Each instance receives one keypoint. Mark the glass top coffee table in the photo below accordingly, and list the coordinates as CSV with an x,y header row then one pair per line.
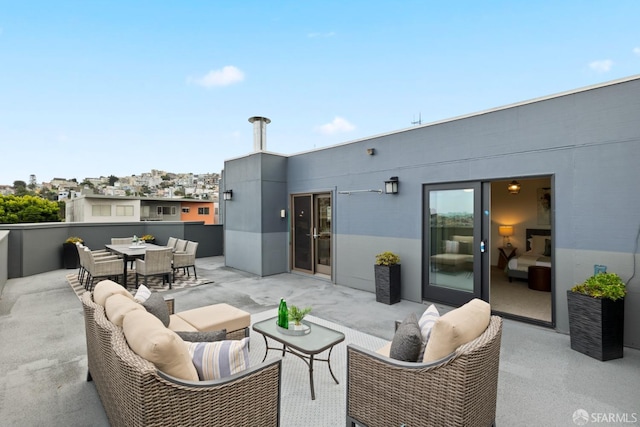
x,y
319,339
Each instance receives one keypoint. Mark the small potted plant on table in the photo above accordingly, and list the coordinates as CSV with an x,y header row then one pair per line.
x,y
596,316
387,278
296,315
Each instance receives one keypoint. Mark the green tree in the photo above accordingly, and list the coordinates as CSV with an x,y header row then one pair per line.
x,y
112,179
23,209
49,194
20,188
87,183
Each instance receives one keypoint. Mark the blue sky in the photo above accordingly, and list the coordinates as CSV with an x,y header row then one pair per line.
x,y
94,88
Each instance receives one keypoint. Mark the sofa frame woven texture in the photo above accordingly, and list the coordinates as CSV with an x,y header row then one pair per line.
x,y
460,390
134,393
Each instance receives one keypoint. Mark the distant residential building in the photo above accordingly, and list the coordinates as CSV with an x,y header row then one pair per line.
x,y
101,208
6,190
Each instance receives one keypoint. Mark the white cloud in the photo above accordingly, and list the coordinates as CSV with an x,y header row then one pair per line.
x,y
636,50
338,125
224,77
322,35
601,66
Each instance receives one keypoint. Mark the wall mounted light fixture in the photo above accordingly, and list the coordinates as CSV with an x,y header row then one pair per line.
x,y
227,195
371,151
391,186
514,187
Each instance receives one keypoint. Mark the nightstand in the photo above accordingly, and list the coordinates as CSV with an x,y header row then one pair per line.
x,y
506,253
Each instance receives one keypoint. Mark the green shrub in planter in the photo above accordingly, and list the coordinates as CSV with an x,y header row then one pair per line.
x,y
387,258
596,316
602,285
387,278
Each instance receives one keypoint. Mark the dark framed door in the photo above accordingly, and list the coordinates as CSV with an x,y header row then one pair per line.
x,y
311,228
454,248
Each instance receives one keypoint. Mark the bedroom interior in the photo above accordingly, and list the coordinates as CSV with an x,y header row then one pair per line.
x,y
521,250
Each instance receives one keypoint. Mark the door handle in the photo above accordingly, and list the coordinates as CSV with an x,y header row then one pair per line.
x,y
315,233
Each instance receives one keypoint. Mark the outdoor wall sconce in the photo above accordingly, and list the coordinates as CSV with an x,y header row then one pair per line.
x,y
391,186
371,151
514,187
227,195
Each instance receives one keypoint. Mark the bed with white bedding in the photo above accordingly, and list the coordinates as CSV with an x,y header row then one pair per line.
x,y
538,253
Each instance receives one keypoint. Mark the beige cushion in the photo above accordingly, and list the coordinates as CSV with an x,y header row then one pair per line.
x,y
149,339
465,239
386,350
177,324
457,327
105,288
117,306
216,317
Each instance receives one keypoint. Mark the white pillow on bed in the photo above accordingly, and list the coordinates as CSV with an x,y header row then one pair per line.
x,y
537,244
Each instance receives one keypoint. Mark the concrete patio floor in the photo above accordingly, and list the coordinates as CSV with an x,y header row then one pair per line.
x,y
43,360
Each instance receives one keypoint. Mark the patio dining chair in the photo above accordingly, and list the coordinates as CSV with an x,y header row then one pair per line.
x,y
100,267
99,254
186,260
121,240
156,262
171,243
181,245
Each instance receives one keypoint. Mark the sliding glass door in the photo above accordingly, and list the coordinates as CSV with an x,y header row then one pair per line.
x,y
453,246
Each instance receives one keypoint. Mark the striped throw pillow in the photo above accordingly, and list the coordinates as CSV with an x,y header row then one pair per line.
x,y
219,359
426,322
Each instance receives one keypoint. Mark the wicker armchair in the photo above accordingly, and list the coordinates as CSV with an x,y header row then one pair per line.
x,y
186,260
459,390
157,262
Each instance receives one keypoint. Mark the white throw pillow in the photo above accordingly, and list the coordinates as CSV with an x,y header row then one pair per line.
x,y
142,294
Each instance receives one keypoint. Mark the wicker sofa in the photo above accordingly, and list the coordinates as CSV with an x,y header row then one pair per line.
x,y
459,389
134,392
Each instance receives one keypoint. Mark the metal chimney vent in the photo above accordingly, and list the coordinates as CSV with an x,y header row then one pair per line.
x,y
259,132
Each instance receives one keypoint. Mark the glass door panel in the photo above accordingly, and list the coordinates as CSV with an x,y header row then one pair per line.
x,y
302,233
322,234
452,243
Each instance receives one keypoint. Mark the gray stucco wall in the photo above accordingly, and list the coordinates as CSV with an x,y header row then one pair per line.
x,y
587,141
255,234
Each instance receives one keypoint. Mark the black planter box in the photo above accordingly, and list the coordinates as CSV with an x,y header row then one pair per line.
x,y
596,326
387,283
70,257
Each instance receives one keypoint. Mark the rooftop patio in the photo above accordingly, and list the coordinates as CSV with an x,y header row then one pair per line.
x,y
43,370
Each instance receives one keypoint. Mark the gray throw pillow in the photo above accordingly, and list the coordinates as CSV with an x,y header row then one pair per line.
x,y
208,336
156,305
407,341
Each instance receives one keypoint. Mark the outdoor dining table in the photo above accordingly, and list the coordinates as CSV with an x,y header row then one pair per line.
x,y
131,252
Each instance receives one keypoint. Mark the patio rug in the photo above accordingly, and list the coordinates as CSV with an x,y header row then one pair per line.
x,y
296,407
153,283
